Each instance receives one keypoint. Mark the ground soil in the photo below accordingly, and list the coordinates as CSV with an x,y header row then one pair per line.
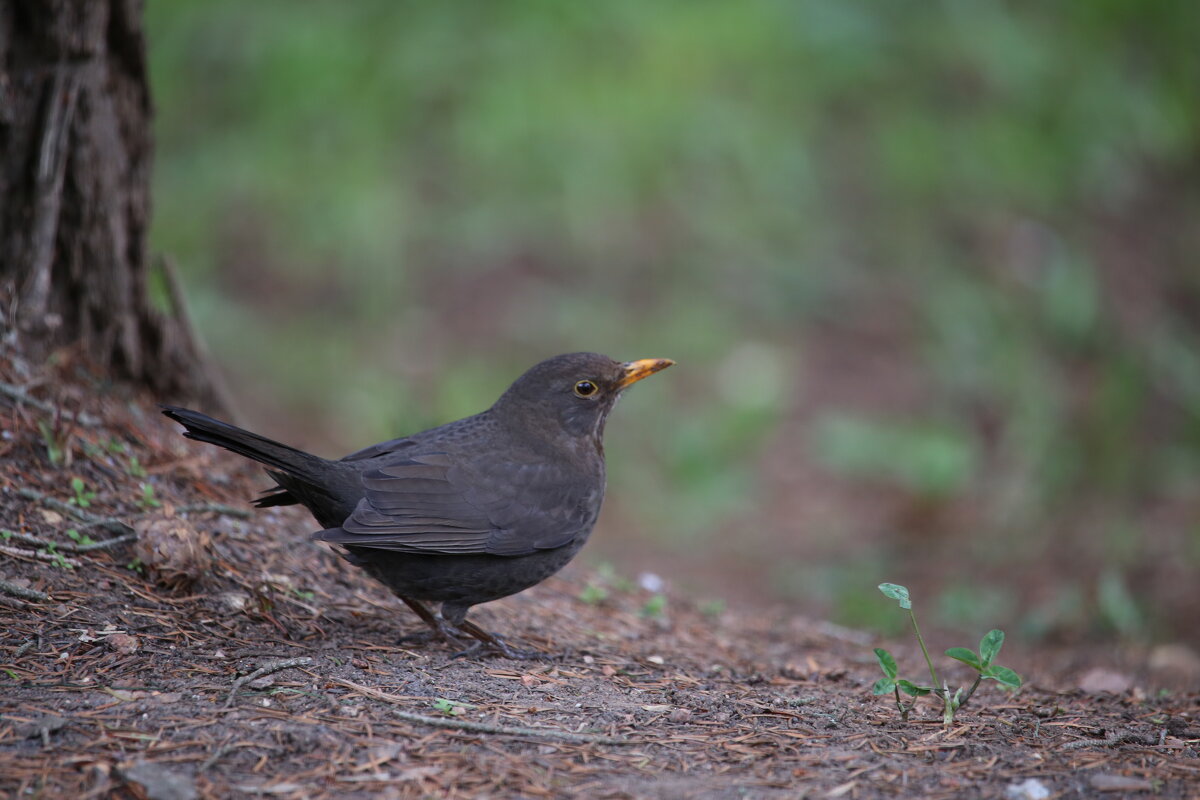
x,y
205,651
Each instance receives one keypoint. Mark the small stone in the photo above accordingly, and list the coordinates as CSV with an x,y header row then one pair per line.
x,y
1104,782
235,601
1100,680
40,727
1028,789
158,782
680,715
123,643
1175,664
651,582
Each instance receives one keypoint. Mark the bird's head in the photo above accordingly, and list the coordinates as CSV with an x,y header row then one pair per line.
x,y
573,392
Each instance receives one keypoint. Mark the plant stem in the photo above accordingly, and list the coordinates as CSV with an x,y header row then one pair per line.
x,y
903,709
962,701
924,650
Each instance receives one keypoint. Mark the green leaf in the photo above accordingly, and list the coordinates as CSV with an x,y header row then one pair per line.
x,y
884,686
450,707
886,662
966,656
910,688
655,606
1004,676
897,593
593,594
989,646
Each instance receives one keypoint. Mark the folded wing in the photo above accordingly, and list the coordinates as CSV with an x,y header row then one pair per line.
x,y
432,505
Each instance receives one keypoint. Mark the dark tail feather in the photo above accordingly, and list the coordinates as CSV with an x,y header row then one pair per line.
x,y
277,496
287,460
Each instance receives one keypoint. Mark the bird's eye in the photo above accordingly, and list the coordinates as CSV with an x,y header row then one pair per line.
x,y
585,388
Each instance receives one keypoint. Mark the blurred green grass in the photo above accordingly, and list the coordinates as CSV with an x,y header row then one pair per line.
x,y
934,263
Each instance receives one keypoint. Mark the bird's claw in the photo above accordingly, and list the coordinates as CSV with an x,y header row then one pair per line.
x,y
497,647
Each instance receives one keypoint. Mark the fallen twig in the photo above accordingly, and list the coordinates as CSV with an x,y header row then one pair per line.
x,y
265,669
216,756
39,555
111,523
107,543
480,727
215,508
22,591
1112,740
21,396
72,547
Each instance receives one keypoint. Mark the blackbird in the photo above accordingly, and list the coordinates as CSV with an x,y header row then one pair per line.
x,y
467,512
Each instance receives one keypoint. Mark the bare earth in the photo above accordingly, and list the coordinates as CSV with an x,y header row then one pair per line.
x,y
279,671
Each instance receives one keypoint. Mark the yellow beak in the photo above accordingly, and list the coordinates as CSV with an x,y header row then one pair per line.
x,y
642,368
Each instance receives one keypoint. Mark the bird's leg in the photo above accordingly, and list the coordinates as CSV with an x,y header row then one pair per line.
x,y
493,643
453,622
456,615
438,626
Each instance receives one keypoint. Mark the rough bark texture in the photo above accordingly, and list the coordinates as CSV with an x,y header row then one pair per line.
x,y
75,159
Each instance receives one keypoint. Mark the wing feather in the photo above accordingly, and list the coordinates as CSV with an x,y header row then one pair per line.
x,y
431,504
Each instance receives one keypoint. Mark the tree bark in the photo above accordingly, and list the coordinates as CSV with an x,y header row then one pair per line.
x,y
75,159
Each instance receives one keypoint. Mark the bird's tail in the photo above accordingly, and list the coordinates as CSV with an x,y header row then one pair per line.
x,y
279,457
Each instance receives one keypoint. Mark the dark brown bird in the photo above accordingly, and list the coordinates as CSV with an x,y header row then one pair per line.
x,y
467,512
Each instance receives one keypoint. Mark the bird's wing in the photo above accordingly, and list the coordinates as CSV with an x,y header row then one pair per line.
x,y
383,448
430,504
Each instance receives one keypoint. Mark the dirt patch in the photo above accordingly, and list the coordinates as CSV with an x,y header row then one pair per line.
x,y
279,670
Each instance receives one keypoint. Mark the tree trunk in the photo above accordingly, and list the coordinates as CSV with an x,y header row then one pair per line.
x,y
75,158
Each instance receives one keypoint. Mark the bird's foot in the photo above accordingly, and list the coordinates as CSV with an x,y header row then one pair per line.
x,y
452,632
491,644
498,647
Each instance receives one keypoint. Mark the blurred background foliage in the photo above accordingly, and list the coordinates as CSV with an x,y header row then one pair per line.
x,y
929,271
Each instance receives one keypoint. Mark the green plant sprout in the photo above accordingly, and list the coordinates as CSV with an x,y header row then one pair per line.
x,y
712,608
135,468
451,708
656,606
56,558
593,594
981,662
81,539
148,500
83,496
53,441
